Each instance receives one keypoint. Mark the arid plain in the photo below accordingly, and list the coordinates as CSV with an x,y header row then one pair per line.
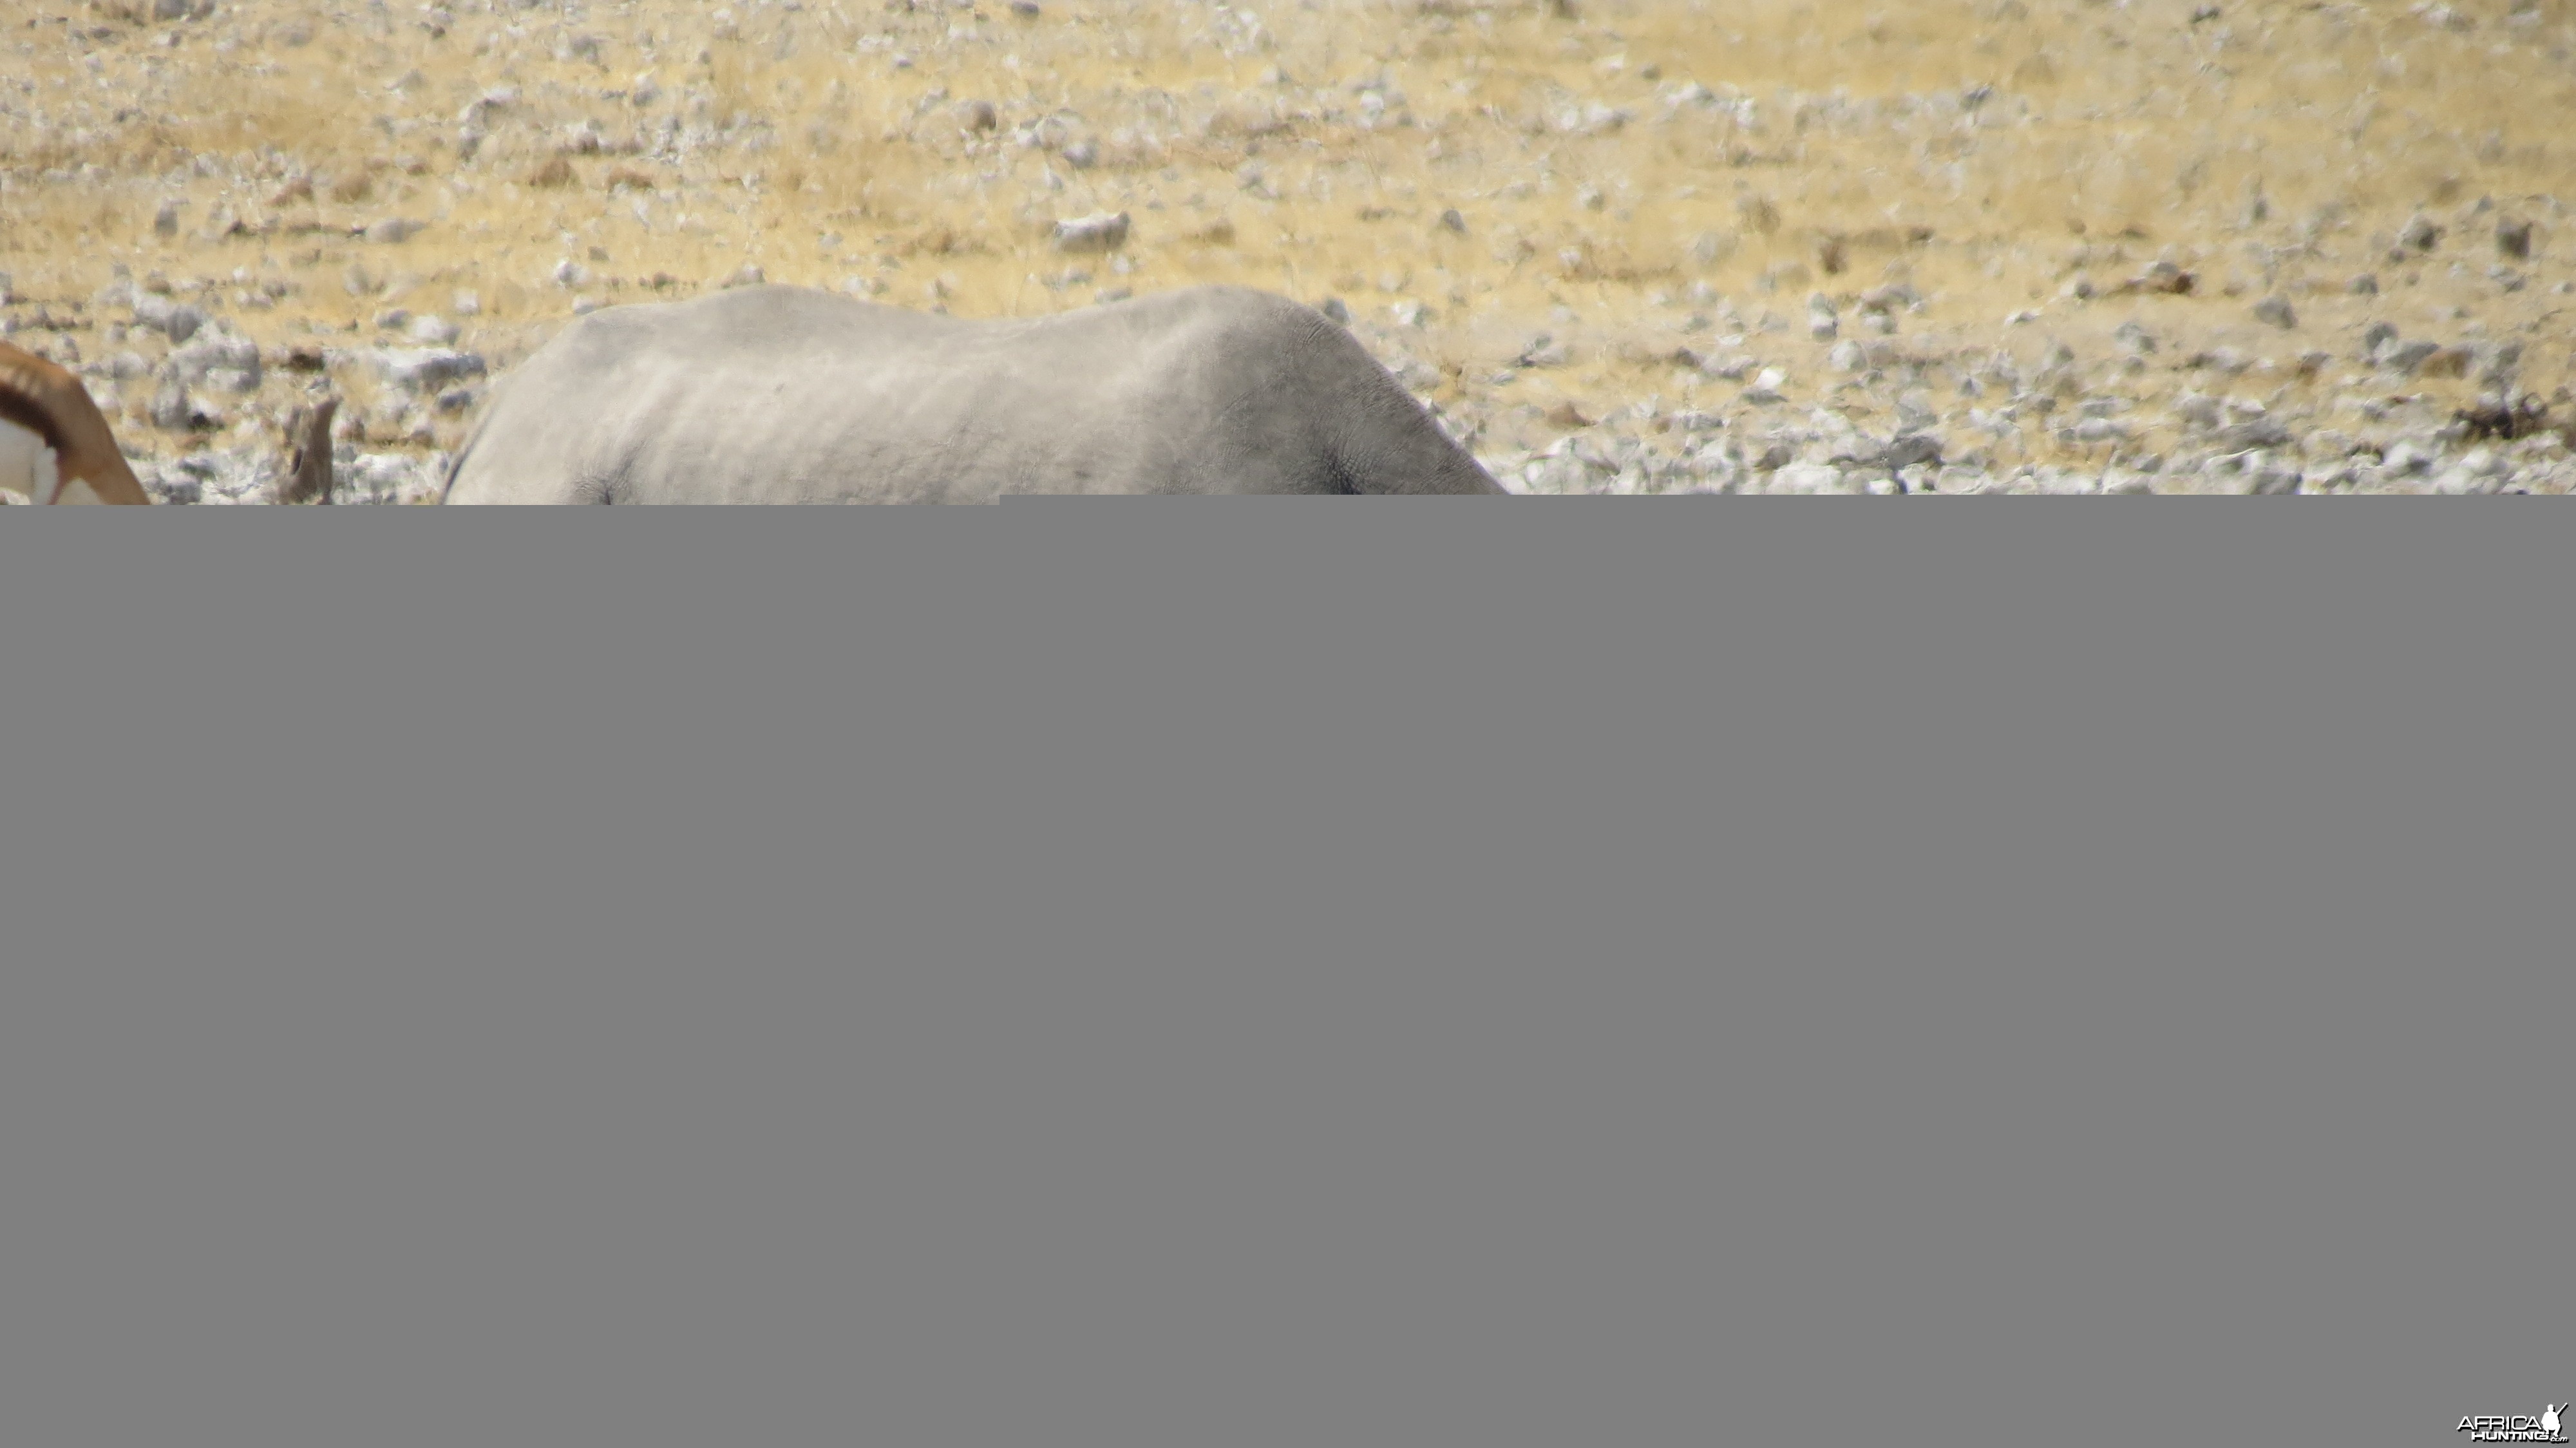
x,y
1627,246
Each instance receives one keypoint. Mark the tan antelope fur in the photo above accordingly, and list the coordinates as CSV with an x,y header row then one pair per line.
x,y
55,447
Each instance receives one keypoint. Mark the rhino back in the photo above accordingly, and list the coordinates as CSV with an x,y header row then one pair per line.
x,y
778,394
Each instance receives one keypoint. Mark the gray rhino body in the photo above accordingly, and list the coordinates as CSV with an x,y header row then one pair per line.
x,y
787,395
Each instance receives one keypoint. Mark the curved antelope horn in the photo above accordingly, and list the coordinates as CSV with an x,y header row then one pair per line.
x,y
50,402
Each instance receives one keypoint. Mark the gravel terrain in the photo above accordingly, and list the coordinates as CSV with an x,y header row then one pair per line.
x,y
2105,246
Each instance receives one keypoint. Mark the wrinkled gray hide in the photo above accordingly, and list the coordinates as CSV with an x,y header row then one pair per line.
x,y
786,395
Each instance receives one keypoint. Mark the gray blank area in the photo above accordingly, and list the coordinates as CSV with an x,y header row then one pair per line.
x,y
1284,973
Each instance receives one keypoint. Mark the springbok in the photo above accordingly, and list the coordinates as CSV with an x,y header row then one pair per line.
x,y
776,394
55,447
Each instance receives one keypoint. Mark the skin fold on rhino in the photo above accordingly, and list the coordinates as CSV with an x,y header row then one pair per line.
x,y
778,394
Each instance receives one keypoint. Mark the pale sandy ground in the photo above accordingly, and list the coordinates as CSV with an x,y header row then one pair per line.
x,y
1619,245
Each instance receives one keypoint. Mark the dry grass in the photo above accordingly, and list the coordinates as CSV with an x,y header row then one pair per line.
x,y
2271,148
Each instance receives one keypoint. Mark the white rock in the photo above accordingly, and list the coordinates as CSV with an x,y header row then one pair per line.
x,y
1808,478
2498,362
222,360
1894,296
2255,432
174,320
2484,463
2270,479
393,478
170,409
1101,231
2408,457
2405,357
1912,450
419,370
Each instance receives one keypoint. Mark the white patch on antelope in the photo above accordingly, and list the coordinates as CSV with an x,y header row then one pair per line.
x,y
29,468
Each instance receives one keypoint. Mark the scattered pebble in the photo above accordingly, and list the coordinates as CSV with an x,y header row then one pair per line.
x,y
174,320
1100,232
417,370
1822,322
223,361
